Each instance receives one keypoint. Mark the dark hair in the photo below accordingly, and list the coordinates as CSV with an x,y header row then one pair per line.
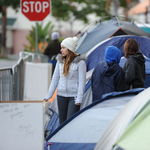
x,y
131,47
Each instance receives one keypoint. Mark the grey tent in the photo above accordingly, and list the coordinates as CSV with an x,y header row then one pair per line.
x,y
123,120
84,129
106,29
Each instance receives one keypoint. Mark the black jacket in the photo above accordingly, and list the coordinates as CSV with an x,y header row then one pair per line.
x,y
53,48
134,69
106,78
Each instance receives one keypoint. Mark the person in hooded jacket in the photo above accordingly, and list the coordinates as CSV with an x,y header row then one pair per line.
x,y
53,49
134,66
69,78
108,76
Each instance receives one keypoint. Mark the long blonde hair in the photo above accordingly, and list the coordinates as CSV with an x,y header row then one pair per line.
x,y
68,59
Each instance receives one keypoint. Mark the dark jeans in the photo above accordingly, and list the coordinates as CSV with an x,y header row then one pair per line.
x,y
66,107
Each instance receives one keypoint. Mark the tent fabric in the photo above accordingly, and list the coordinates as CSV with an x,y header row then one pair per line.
x,y
87,96
114,94
146,29
98,54
86,127
147,81
51,124
135,136
103,30
71,146
122,121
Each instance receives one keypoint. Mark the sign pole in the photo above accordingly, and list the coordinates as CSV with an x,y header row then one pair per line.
x,y
36,42
36,10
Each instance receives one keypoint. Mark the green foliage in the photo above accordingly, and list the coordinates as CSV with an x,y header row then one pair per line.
x,y
79,9
42,34
60,10
123,3
13,3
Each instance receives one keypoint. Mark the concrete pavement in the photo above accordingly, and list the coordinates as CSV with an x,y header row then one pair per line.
x,y
9,62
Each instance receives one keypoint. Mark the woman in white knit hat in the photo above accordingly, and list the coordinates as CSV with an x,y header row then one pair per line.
x,y
69,78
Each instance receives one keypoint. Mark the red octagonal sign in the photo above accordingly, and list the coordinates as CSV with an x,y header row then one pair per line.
x,y
35,10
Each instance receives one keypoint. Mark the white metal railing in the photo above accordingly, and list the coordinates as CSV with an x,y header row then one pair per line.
x,y
12,79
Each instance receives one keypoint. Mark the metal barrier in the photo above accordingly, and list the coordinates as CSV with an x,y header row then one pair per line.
x,y
6,84
12,79
35,57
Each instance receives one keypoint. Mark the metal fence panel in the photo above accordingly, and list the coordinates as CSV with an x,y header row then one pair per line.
x,y
6,84
12,79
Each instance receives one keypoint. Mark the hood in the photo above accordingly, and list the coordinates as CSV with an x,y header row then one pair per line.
x,y
76,59
112,54
108,69
138,58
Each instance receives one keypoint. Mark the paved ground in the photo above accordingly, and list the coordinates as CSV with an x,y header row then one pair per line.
x,y
9,62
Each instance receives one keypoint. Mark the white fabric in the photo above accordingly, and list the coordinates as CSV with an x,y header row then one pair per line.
x,y
70,43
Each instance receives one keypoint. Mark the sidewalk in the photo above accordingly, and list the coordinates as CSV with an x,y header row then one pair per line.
x,y
9,62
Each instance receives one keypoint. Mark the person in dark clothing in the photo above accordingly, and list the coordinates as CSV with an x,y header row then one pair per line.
x,y
134,66
108,76
53,49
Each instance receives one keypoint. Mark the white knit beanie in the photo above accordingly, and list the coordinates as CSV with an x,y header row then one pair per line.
x,y
55,36
70,43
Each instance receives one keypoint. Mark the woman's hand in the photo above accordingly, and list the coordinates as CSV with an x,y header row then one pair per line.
x,y
45,100
78,104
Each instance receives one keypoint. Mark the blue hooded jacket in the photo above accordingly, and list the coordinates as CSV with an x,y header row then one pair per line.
x,y
108,76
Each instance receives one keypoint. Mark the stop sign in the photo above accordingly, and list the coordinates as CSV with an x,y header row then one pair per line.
x,y
35,10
